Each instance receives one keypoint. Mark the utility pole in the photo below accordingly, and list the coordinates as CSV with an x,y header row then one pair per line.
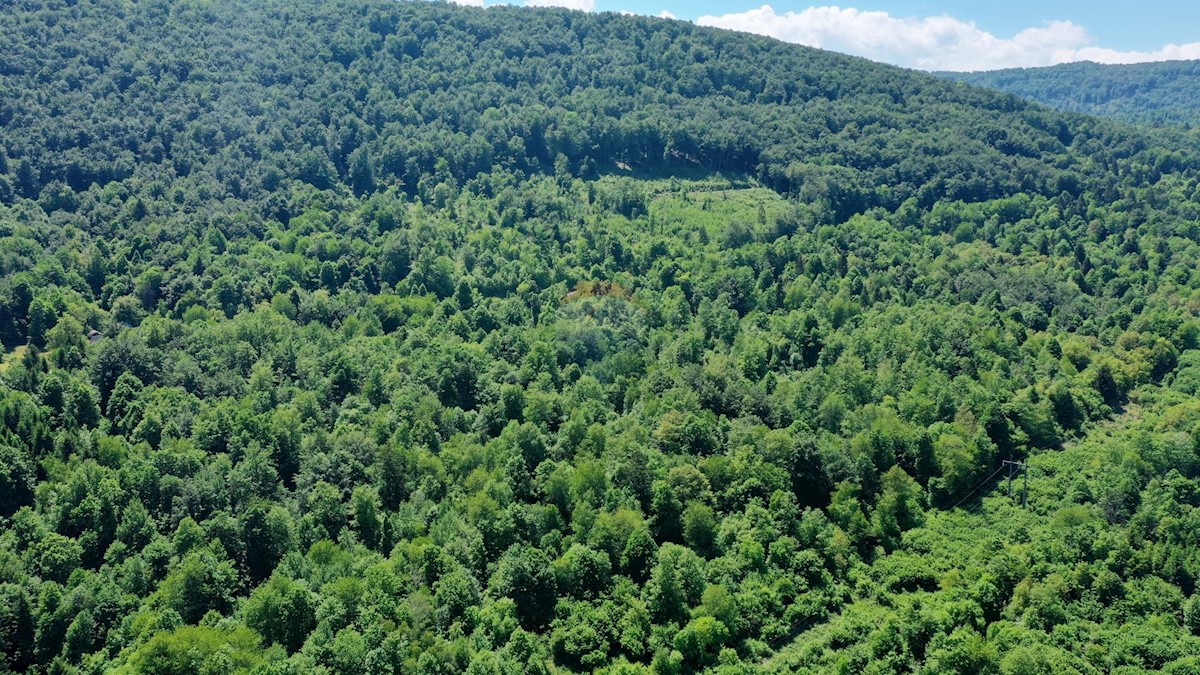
x,y
1010,475
1024,468
1025,492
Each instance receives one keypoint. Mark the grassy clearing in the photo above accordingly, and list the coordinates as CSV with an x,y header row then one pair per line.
x,y
15,356
715,207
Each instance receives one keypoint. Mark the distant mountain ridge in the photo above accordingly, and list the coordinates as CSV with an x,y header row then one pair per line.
x,y
1161,93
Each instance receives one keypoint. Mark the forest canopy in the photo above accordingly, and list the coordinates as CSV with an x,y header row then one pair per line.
x,y
402,337
1161,93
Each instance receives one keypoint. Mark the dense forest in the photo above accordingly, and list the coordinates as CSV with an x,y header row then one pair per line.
x,y
1166,92
400,337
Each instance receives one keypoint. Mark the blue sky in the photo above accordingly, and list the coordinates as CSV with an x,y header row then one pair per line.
x,y
935,35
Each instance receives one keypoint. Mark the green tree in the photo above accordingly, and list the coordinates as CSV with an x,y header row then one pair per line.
x,y
192,649
200,583
267,535
700,641
700,528
17,479
676,584
898,507
582,572
282,611
364,506
67,344
525,575
58,557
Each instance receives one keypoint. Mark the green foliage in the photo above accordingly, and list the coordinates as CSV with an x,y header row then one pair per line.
x,y
898,507
524,575
198,649
282,611
1142,93
701,640
431,339
17,479
201,583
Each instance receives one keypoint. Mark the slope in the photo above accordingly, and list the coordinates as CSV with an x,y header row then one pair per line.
x,y
249,94
1142,93
1071,567
409,338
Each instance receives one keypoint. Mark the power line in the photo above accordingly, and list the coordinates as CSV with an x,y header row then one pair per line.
x,y
977,486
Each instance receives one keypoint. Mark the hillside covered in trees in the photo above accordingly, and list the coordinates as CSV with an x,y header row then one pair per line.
x,y
400,337
1165,92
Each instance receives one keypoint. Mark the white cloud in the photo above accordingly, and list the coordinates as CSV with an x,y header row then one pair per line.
x,y
468,3
1185,52
935,42
666,15
581,5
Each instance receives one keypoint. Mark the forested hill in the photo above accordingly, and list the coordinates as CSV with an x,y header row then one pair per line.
x,y
400,337
1166,92
247,95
